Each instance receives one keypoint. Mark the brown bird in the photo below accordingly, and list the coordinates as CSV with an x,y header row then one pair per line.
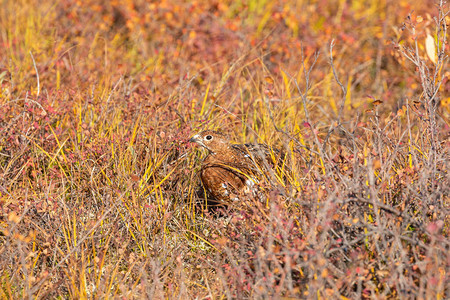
x,y
231,171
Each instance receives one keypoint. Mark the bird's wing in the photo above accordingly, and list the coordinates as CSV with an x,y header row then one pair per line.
x,y
260,155
221,182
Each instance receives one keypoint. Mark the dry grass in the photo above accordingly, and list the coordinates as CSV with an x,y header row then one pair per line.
x,y
98,186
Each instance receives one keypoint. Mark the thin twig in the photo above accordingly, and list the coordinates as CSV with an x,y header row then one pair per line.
x,y
37,75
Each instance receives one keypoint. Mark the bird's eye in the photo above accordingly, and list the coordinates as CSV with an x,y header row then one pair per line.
x,y
208,137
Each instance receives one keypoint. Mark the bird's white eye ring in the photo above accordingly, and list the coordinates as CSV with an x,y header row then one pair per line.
x,y
208,137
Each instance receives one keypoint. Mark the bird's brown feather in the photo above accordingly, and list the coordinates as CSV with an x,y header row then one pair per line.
x,y
232,170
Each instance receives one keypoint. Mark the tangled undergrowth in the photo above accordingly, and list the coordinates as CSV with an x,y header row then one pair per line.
x,y
99,188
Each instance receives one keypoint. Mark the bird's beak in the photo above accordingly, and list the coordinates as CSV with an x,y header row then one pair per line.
x,y
195,139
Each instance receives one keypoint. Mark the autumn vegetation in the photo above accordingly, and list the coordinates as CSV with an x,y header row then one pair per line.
x,y
99,189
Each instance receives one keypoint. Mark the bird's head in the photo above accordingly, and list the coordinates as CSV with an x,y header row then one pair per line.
x,y
212,140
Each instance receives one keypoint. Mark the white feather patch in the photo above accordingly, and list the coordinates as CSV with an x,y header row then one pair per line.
x,y
249,183
225,193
